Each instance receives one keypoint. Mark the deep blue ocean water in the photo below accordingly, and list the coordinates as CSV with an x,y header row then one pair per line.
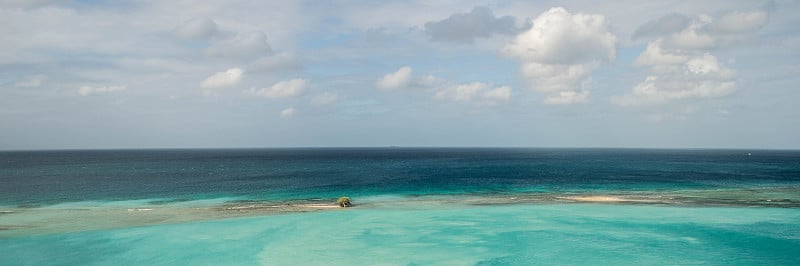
x,y
48,177
414,206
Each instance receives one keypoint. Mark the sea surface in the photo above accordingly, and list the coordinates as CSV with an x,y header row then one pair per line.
x,y
412,206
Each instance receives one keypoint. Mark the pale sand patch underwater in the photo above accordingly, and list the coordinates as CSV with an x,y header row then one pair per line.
x,y
75,217
49,220
605,199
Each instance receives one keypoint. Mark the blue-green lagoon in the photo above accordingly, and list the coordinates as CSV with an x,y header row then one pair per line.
x,y
412,207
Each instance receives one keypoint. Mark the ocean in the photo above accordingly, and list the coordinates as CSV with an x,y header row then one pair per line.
x,y
412,206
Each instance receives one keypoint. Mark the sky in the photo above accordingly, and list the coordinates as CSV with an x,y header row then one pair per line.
x,y
88,74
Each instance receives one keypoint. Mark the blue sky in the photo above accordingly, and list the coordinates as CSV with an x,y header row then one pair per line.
x,y
190,74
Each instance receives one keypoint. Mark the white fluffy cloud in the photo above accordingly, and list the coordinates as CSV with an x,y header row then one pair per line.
x,y
475,93
693,37
556,78
679,57
699,77
502,93
283,89
559,37
223,79
398,79
197,28
655,55
703,32
560,52
88,90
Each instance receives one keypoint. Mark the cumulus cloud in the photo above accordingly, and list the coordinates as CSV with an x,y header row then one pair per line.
x,y
693,37
559,37
466,27
502,93
560,77
560,52
325,98
398,79
197,28
699,77
702,32
680,60
475,93
288,112
252,44
88,90
223,79
655,55
283,89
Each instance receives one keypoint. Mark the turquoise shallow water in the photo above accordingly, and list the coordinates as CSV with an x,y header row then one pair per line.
x,y
526,234
425,206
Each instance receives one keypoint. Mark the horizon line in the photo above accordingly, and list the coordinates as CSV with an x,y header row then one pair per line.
x,y
393,147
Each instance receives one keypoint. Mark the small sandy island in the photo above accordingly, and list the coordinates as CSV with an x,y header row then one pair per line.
x,y
280,207
604,198
319,206
595,198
